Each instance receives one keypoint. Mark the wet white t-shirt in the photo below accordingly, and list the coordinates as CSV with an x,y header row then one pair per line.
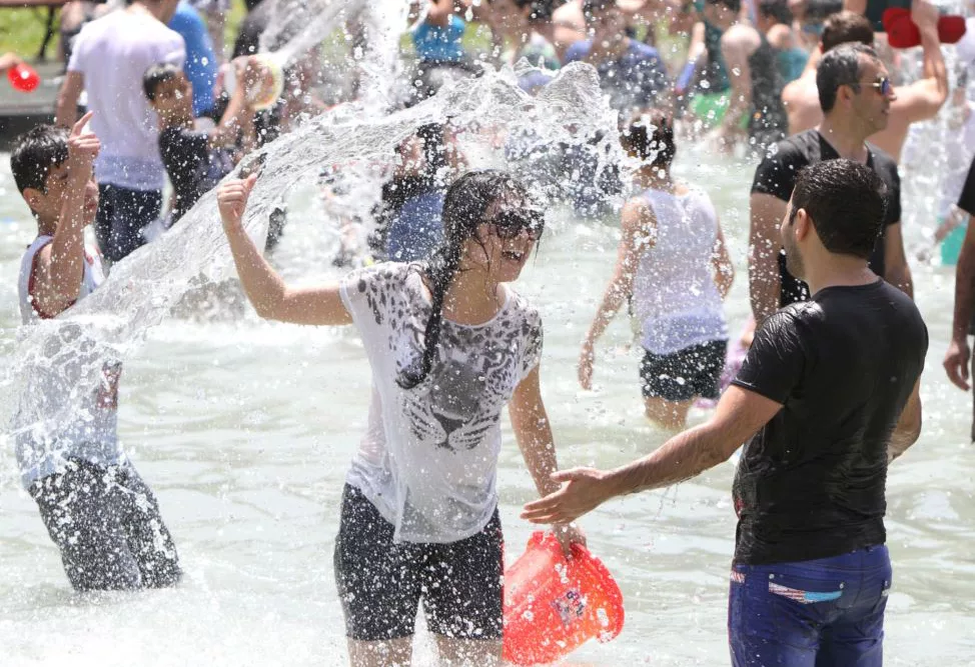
x,y
428,460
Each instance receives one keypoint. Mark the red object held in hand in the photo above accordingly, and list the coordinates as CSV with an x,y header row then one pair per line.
x,y
553,605
902,33
23,77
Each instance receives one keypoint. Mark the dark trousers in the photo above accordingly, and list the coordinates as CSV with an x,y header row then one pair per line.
x,y
122,215
106,522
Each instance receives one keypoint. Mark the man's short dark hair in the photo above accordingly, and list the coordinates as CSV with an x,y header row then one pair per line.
x,y
36,153
650,137
156,76
844,27
840,66
847,202
733,5
777,9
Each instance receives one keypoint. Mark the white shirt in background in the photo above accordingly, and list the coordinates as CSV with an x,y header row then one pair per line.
x,y
113,53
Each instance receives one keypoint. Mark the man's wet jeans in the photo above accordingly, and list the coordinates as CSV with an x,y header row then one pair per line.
x,y
827,612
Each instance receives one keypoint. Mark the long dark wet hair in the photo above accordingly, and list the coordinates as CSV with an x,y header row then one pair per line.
x,y
465,207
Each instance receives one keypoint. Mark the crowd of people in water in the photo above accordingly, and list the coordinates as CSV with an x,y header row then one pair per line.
x,y
823,388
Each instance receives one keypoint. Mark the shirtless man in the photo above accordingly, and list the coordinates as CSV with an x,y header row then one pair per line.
x,y
916,102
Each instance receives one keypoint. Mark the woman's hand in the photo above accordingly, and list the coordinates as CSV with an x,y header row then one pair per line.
x,y
586,359
568,534
232,200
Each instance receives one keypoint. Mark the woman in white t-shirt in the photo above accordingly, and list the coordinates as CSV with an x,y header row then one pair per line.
x,y
450,344
674,269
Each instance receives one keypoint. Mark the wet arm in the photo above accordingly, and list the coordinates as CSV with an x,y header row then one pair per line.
x,y
734,50
67,105
908,428
923,99
267,292
764,284
896,269
638,223
724,270
533,432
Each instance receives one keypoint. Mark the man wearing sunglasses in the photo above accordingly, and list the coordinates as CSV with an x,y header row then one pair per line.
x,y
855,94
916,102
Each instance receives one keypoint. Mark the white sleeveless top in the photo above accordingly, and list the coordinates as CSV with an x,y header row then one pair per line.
x,y
674,295
44,439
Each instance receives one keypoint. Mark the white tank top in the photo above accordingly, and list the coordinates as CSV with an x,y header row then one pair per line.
x,y
44,439
674,295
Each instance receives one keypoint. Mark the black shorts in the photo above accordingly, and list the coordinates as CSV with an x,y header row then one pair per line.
x,y
678,377
106,522
381,582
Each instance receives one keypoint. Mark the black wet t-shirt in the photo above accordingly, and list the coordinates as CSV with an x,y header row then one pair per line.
x,y
776,176
192,166
810,484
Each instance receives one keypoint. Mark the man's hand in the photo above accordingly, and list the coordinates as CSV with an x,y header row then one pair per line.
x,y
232,200
585,491
82,151
956,363
586,359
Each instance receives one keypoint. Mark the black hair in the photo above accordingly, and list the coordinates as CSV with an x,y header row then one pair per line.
x,y
840,66
36,153
464,209
777,9
844,27
541,10
657,145
157,75
733,5
847,202
818,11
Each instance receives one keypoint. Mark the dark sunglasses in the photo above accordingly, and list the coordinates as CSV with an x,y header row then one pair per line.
x,y
883,84
509,224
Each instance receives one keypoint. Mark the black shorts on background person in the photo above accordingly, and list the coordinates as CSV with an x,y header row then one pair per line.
x,y
776,175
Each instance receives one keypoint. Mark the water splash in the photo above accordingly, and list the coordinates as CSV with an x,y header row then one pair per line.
x,y
143,289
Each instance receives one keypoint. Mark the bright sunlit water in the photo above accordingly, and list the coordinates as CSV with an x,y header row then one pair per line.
x,y
245,429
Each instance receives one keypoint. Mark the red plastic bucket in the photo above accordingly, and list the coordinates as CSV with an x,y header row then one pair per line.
x,y
553,605
23,77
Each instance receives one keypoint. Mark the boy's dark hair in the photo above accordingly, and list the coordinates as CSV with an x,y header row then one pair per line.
x,y
733,5
657,145
777,9
847,202
157,75
840,66
36,153
844,27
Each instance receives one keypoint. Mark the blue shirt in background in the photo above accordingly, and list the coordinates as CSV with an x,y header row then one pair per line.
x,y
633,81
434,43
201,61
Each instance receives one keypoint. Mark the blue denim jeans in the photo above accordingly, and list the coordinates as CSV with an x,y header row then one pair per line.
x,y
827,612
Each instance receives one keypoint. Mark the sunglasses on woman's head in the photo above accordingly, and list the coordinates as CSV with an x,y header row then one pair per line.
x,y
509,224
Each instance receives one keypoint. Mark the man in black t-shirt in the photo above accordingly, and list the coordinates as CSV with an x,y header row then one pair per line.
x,y
959,353
826,397
855,94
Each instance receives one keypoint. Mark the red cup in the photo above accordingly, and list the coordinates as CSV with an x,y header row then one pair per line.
x,y
23,77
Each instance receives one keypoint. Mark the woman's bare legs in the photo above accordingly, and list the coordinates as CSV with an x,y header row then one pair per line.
x,y
666,413
391,653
